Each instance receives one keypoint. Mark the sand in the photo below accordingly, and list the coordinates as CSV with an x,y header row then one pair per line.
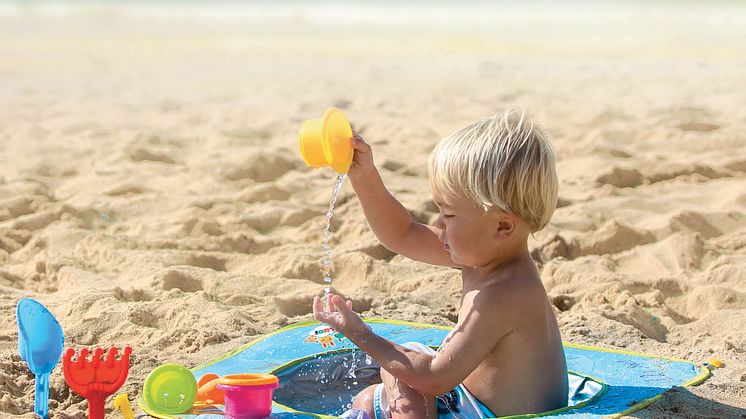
x,y
152,194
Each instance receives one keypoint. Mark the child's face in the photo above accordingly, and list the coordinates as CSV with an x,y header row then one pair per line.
x,y
469,233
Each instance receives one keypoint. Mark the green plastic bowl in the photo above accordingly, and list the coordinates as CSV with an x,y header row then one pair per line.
x,y
170,388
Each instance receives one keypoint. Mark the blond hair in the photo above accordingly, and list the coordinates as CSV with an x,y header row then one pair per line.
x,y
504,163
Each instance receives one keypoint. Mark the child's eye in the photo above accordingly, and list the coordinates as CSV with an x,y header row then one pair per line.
x,y
447,215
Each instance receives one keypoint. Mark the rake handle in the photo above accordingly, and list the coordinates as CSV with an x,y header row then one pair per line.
x,y
96,405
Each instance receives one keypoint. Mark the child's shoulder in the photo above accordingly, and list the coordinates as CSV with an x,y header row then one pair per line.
x,y
514,295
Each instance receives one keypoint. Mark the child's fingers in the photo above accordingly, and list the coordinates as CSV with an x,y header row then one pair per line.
x,y
325,303
359,144
342,306
316,307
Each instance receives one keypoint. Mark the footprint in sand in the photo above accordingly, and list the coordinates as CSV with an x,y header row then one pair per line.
x,y
38,220
133,294
48,170
689,119
553,247
262,220
563,302
199,260
292,306
609,117
144,155
738,165
126,190
694,221
671,171
243,243
299,216
621,178
392,165
698,126
342,103
306,268
201,227
261,167
8,245
242,300
180,280
704,300
377,251
144,317
613,237
8,279
14,240
17,206
263,192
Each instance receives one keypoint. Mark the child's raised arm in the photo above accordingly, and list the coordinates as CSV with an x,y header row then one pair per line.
x,y
387,217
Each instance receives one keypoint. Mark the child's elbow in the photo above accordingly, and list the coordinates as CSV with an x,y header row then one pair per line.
x,y
436,387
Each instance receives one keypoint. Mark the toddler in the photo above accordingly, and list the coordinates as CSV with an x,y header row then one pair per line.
x,y
495,184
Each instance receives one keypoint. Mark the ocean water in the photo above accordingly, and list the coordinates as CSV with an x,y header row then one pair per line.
x,y
552,31
404,13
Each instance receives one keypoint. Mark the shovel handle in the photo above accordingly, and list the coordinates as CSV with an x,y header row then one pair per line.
x,y
41,397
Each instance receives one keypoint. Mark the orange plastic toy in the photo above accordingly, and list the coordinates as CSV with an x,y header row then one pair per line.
x,y
208,392
98,378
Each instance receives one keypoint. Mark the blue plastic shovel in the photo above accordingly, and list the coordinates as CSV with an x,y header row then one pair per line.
x,y
40,343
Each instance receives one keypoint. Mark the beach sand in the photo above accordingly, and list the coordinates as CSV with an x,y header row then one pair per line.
x,y
152,193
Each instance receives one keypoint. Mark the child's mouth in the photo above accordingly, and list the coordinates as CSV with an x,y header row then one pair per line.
x,y
446,247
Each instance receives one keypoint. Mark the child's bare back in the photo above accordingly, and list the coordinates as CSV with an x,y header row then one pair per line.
x,y
513,379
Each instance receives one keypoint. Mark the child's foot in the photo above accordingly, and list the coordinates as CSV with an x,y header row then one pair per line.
x,y
355,414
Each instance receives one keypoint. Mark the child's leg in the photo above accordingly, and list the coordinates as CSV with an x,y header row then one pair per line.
x,y
405,402
364,401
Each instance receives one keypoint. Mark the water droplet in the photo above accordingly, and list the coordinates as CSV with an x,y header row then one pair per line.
x,y
327,279
326,261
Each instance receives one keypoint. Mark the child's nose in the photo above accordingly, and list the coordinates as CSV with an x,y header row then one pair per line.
x,y
439,222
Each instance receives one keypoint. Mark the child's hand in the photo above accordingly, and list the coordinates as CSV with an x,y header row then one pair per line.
x,y
338,315
362,159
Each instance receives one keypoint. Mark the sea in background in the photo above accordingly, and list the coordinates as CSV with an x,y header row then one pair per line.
x,y
540,25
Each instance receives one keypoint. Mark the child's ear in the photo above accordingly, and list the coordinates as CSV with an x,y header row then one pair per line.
x,y
506,224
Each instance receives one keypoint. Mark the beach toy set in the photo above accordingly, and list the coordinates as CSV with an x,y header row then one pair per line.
x,y
170,389
40,344
95,375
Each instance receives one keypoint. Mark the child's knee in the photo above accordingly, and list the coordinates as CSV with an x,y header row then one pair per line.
x,y
364,399
387,378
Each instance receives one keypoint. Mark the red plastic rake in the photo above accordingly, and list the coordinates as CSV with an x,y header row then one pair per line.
x,y
98,378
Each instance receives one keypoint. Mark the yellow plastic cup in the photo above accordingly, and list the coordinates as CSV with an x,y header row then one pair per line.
x,y
327,141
